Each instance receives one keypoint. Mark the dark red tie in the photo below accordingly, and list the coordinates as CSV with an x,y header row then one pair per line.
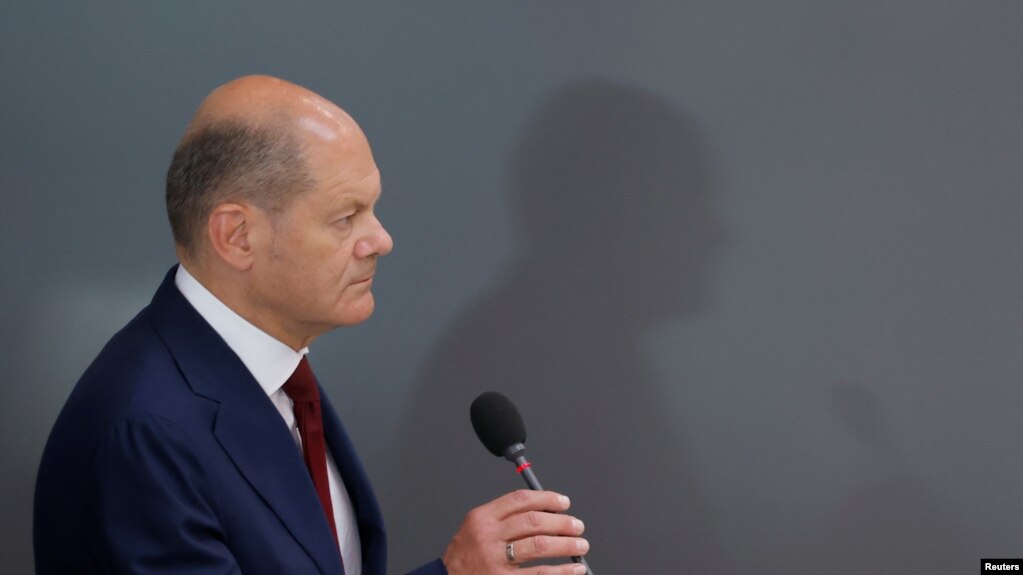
x,y
301,388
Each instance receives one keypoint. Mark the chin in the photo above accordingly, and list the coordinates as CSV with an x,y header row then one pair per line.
x,y
355,313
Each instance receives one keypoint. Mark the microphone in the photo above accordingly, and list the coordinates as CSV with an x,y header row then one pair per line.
x,y
499,426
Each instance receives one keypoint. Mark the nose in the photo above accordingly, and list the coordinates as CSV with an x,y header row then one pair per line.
x,y
376,242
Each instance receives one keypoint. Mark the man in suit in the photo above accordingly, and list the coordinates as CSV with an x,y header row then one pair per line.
x,y
199,441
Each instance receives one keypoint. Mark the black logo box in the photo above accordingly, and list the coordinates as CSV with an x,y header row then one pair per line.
x,y
1001,565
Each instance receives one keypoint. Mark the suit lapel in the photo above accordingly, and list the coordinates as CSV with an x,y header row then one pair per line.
x,y
248,426
364,502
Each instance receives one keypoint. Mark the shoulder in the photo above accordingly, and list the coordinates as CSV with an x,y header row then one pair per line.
x,y
135,375
135,372
129,426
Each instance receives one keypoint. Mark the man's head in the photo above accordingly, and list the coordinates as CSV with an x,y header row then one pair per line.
x,y
270,196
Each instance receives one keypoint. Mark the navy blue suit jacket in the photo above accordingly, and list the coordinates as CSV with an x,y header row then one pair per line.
x,y
169,458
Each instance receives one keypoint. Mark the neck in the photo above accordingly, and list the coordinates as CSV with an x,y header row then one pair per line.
x,y
236,294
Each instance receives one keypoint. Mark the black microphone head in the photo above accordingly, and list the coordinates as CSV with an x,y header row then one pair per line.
x,y
497,422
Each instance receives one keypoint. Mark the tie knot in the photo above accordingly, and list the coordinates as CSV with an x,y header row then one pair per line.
x,y
301,386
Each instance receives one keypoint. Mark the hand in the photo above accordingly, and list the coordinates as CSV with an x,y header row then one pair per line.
x,y
531,521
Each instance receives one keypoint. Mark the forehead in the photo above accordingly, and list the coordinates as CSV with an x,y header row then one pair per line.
x,y
337,154
344,173
334,144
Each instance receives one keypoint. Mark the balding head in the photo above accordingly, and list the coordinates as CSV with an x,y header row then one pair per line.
x,y
247,143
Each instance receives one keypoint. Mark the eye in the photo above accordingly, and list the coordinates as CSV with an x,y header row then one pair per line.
x,y
344,221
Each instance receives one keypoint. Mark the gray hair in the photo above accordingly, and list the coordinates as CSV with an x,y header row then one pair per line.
x,y
232,161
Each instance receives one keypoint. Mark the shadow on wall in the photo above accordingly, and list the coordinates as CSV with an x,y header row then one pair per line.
x,y
614,199
894,524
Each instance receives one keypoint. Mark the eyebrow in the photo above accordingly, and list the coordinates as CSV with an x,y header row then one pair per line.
x,y
347,202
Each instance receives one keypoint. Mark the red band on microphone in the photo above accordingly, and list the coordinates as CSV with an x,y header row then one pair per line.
x,y
523,466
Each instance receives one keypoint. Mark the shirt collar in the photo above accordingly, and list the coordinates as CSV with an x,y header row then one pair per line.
x,y
269,360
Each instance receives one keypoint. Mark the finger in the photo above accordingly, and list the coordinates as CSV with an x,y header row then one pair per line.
x,y
540,523
569,569
549,547
525,500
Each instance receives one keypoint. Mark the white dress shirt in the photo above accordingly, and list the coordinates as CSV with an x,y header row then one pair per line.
x,y
271,363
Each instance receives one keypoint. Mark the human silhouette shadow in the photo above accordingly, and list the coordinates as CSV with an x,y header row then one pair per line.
x,y
613,197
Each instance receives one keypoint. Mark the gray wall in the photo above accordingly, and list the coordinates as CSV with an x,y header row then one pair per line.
x,y
751,270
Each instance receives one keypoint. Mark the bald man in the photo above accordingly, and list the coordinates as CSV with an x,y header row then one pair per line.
x,y
199,441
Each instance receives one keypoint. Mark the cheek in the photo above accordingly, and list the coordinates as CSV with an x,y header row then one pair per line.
x,y
297,278
321,263
337,261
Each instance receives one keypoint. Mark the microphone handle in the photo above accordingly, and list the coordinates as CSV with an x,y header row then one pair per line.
x,y
526,471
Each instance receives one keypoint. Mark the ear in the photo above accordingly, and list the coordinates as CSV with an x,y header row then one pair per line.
x,y
230,227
